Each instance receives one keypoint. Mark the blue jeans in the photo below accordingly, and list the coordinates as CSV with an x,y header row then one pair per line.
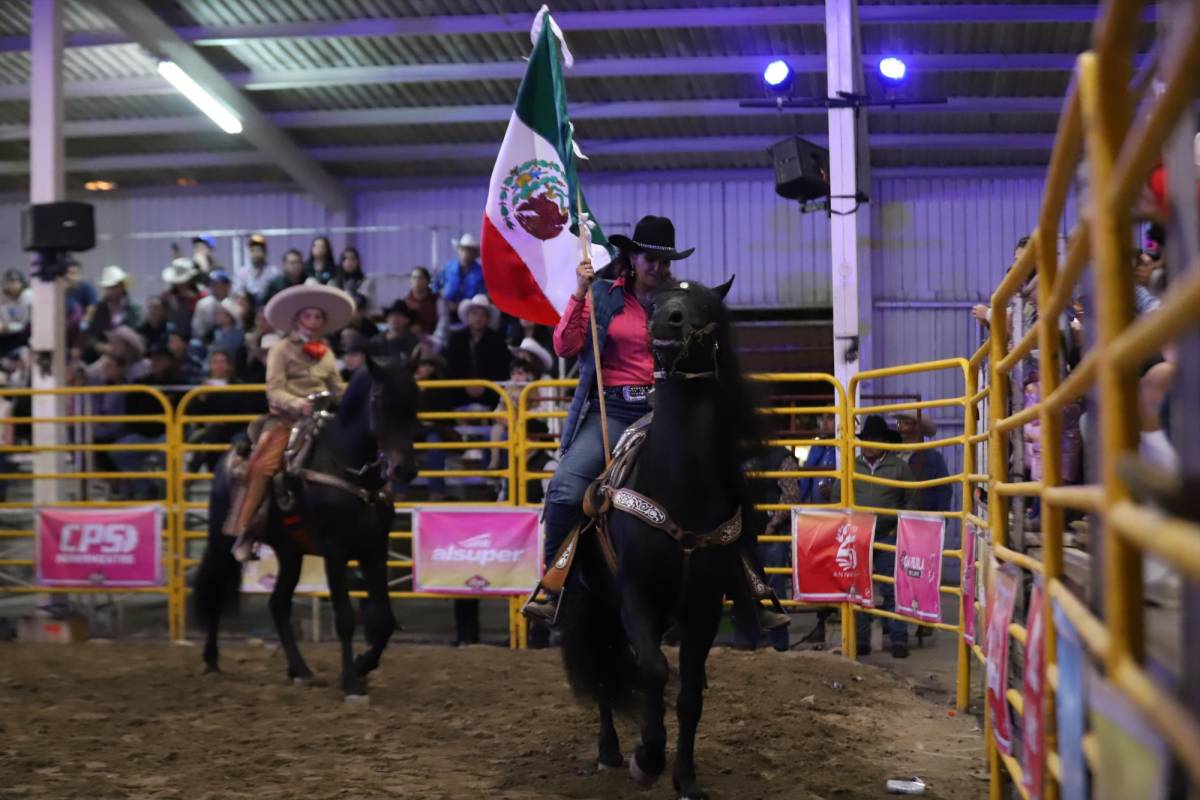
x,y
581,464
895,630
139,461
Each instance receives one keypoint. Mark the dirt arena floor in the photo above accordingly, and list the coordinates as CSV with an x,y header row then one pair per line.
x,y
138,721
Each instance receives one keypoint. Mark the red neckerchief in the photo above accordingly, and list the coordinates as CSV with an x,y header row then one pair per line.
x,y
314,349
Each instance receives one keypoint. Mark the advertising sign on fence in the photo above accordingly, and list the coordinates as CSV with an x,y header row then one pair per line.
x,y
1001,598
99,547
832,556
258,577
918,573
1069,705
968,585
1033,730
482,550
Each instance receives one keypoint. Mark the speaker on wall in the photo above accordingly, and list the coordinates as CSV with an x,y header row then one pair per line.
x,y
801,169
61,227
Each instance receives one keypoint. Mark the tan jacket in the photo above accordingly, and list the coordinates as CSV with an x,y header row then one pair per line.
x,y
292,375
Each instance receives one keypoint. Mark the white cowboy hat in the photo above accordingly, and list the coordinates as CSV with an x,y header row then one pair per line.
x,y
338,306
928,426
481,301
233,308
113,275
534,348
467,240
131,338
181,270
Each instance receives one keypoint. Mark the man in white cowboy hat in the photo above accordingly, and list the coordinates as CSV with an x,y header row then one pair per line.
x,y
461,277
298,365
179,299
915,427
478,350
114,309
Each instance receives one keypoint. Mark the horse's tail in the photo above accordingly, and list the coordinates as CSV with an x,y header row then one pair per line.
x,y
597,654
219,577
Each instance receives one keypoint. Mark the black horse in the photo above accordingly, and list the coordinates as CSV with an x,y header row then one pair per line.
x,y
366,445
703,422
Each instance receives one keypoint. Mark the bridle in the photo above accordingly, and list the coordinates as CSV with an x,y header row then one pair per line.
x,y
696,336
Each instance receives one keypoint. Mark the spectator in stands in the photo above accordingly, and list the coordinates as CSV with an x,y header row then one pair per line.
x,y
204,317
320,264
820,457
398,339
350,278
179,300
291,275
80,298
202,257
115,309
189,368
228,335
462,277
16,304
527,365
478,351
258,341
983,313
926,465
124,343
434,369
422,300
881,463
361,323
154,328
220,372
356,349
163,372
255,277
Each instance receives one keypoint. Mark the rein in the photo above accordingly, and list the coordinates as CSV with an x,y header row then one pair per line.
x,y
672,370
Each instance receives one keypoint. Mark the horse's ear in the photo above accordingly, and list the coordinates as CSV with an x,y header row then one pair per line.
x,y
723,289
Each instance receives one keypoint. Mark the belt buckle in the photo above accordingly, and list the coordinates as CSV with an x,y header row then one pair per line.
x,y
633,394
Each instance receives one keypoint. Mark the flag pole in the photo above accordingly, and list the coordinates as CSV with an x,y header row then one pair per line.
x,y
584,241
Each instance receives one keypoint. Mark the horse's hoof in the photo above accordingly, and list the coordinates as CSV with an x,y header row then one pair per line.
x,y
211,669
601,766
639,777
302,680
357,699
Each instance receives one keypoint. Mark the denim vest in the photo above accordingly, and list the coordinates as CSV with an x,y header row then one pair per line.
x,y
609,301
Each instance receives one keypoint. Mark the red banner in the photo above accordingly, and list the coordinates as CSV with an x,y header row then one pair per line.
x,y
968,585
1033,732
832,556
99,547
1001,596
918,572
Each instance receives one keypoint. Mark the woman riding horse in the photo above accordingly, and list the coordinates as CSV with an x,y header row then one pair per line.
x,y
298,366
623,307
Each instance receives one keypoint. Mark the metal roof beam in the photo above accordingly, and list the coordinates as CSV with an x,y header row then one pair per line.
x,y
446,115
274,146
487,150
672,18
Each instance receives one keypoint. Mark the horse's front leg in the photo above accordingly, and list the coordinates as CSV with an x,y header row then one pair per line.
x,y
703,617
354,686
644,626
378,620
290,561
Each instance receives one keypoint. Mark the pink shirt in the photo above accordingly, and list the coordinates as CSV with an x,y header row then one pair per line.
x,y
626,360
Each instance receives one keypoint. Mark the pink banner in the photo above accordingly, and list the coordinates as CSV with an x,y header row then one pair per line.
x,y
1033,733
99,547
476,550
1001,596
831,556
967,609
919,567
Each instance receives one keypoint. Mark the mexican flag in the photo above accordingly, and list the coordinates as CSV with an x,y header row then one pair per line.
x,y
530,243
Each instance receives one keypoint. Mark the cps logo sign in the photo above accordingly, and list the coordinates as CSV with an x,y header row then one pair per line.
x,y
97,538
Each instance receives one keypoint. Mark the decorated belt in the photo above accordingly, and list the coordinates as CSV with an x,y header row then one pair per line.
x,y
630,394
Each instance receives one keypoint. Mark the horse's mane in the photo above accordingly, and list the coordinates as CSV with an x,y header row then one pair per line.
x,y
738,398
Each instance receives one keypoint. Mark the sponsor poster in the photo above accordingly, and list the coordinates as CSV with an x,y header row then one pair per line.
x,y
832,556
1134,760
476,550
918,573
258,577
1002,596
99,546
1033,730
1069,708
969,583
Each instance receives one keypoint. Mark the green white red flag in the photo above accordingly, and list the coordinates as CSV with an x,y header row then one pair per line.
x,y
530,242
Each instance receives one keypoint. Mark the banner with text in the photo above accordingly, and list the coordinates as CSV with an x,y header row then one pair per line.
x,y
918,574
259,576
482,550
832,556
99,547
969,583
1033,729
1001,598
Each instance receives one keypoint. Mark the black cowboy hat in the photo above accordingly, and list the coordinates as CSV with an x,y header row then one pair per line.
x,y
653,235
875,429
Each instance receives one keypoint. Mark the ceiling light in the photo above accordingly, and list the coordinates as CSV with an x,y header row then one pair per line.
x,y
99,186
892,69
186,182
213,108
778,76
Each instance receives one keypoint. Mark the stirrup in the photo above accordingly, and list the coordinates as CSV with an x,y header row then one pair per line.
x,y
245,548
543,611
773,617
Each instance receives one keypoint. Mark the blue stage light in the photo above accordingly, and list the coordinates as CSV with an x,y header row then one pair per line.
x,y
778,76
892,69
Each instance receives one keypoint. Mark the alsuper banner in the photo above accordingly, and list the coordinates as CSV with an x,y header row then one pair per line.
x,y
918,575
483,550
259,576
99,547
832,556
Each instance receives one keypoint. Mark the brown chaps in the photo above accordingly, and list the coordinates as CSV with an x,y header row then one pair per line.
x,y
264,463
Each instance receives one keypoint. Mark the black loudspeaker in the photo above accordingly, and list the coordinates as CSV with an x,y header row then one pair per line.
x,y
62,227
801,169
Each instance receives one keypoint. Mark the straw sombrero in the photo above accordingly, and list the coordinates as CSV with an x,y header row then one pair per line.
x,y
338,306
